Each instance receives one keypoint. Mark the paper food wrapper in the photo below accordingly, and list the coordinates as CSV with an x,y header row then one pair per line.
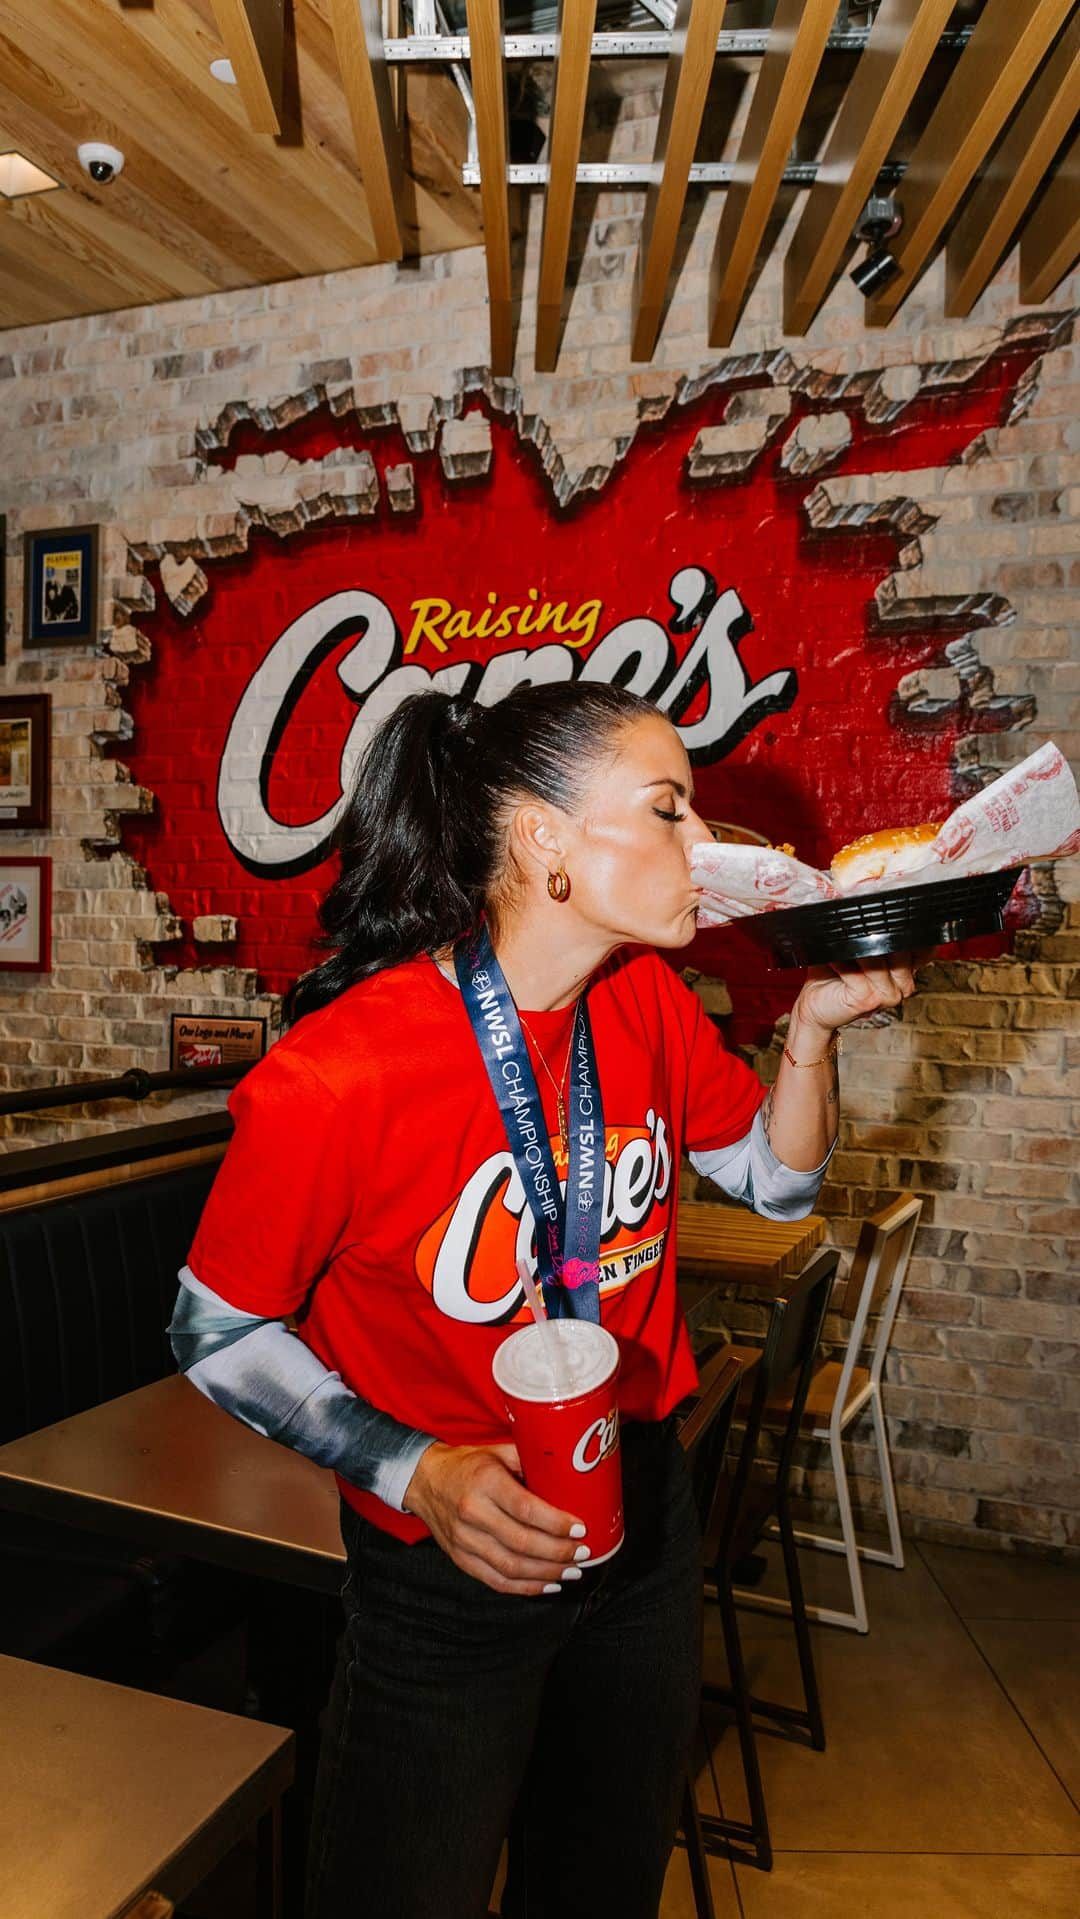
x,y
1031,813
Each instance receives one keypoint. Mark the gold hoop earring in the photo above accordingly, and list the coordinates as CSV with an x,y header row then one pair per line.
x,y
559,884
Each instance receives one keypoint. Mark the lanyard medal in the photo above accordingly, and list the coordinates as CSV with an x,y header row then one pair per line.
x,y
567,1228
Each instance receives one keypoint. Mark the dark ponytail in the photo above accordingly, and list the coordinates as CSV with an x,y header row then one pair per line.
x,y
421,843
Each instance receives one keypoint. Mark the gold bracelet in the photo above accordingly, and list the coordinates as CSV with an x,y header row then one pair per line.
x,y
834,1051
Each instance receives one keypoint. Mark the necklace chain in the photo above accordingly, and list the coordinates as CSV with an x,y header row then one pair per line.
x,y
558,1084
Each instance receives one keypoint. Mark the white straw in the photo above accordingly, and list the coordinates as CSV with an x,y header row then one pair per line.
x,y
532,1294
550,1343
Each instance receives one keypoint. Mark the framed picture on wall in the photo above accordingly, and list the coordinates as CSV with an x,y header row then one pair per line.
x,y
214,1040
3,589
24,761
60,571
25,903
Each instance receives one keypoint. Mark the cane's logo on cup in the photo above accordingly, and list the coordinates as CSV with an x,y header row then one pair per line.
x,y
596,1442
465,1256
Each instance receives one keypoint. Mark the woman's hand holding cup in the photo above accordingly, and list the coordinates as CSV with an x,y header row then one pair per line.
x,y
476,1508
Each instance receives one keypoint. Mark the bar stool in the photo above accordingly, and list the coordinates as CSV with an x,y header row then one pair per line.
x,y
841,1389
703,1436
747,1497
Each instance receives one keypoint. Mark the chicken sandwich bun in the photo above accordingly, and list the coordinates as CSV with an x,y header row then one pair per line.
x,y
888,855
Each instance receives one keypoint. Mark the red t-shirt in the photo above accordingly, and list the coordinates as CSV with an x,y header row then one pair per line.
x,y
369,1189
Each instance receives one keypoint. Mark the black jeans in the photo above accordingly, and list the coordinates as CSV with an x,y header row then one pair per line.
x,y
460,1716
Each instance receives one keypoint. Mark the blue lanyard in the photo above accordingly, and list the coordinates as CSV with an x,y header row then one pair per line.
x,y
567,1229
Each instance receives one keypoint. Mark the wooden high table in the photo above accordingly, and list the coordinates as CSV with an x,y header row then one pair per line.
x,y
726,1245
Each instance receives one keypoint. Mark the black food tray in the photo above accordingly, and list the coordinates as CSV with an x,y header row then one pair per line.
x,y
869,925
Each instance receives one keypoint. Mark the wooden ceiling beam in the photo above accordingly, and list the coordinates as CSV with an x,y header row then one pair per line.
x,y
1050,243
1012,176
902,40
797,39
489,94
357,28
687,74
577,19
253,32
1007,44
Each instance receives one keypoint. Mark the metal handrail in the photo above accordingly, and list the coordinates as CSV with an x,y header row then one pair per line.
x,y
134,1084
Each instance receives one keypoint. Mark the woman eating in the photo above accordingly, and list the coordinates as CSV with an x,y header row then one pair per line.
x,y
355,1271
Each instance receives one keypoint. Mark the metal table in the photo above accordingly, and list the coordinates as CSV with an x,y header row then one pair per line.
x,y
106,1793
164,1465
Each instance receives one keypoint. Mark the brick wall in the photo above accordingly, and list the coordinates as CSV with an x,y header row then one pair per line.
x,y
972,1098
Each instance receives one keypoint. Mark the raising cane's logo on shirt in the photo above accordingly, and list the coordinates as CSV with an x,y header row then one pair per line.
x,y
466,1255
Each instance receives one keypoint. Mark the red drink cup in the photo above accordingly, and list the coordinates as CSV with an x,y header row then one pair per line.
x,y
560,1400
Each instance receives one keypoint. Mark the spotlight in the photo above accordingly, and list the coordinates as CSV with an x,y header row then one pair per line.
x,y
880,219
525,141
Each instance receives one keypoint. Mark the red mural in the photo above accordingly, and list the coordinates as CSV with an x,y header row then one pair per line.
x,y
759,636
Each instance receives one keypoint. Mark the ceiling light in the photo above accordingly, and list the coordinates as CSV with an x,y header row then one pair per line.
x,y
19,176
223,70
880,220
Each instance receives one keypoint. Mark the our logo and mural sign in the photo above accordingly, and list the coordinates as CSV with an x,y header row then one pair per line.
x,y
758,636
638,653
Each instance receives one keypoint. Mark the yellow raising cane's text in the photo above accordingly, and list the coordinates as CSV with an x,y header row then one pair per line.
x,y
440,622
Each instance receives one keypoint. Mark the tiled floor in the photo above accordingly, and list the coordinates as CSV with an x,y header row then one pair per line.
x,y
950,1788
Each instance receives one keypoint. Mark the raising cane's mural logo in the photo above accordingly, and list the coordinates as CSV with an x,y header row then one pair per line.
x,y
638,653
748,618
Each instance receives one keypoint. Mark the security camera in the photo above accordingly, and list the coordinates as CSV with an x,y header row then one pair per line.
x,y
880,219
101,162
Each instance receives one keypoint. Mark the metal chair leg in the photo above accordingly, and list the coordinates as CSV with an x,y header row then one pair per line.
x,y
802,1630
858,1619
888,1489
748,1841
696,1856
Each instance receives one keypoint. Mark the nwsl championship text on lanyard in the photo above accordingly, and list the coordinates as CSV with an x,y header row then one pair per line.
x,y
567,1230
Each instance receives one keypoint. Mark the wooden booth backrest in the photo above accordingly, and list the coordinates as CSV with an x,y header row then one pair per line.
x,y
87,1287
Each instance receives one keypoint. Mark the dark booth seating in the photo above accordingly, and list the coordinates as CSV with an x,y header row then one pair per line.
x,y
87,1285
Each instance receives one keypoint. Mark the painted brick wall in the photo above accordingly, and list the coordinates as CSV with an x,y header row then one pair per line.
x,y
971,1099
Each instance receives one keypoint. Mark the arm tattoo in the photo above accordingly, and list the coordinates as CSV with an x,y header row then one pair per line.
x,y
832,1097
767,1115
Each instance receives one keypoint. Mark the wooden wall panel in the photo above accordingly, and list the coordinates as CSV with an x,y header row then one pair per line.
x,y
1013,175
203,202
357,29
576,21
988,80
232,186
797,39
686,86
1050,245
254,35
489,92
902,39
